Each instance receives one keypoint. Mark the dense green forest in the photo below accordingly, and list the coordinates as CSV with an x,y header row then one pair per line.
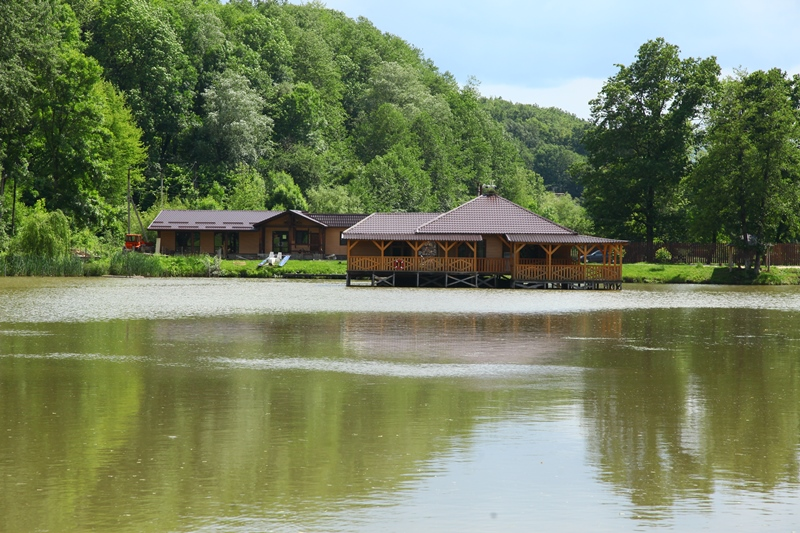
x,y
251,106
266,104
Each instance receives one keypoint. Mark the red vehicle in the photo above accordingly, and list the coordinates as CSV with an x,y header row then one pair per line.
x,y
135,242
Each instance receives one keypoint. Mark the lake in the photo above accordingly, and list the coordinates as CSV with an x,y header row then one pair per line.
x,y
267,405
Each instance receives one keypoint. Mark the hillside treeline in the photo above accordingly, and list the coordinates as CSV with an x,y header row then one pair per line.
x,y
251,106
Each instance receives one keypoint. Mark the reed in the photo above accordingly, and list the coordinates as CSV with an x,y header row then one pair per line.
x,y
34,265
135,264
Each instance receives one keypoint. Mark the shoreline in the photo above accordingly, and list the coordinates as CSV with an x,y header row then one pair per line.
x,y
140,265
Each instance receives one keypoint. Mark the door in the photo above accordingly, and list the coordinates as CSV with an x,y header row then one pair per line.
x,y
280,242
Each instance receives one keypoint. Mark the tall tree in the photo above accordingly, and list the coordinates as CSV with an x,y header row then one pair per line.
x,y
746,185
143,56
29,37
644,128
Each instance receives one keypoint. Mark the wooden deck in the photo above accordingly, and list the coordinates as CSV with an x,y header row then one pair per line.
x,y
483,272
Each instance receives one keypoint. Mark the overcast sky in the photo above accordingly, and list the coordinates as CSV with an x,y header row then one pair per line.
x,y
559,53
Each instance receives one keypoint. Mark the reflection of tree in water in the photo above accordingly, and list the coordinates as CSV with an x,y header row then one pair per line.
x,y
171,431
691,398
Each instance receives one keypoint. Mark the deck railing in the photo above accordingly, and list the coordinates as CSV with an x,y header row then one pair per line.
x,y
527,269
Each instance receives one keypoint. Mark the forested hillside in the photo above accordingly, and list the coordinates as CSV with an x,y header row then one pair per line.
x,y
251,106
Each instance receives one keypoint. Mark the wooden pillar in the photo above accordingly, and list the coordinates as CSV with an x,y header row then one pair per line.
x,y
550,249
515,250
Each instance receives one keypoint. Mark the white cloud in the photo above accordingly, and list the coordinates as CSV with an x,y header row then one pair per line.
x,y
572,96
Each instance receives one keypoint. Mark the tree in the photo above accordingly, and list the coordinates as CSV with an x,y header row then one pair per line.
x,y
235,125
746,184
332,199
29,37
640,144
249,190
143,56
283,193
43,234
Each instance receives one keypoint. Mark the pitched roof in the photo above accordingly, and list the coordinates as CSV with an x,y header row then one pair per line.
x,y
210,220
336,220
393,226
484,215
492,215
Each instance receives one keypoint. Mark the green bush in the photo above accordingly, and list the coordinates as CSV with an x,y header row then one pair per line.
x,y
663,256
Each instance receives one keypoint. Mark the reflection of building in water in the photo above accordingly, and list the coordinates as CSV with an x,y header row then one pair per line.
x,y
479,338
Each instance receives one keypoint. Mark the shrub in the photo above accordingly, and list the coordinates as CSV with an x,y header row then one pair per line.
x,y
663,256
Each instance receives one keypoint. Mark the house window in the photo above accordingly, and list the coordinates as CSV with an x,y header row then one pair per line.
x,y
342,241
301,236
187,242
219,242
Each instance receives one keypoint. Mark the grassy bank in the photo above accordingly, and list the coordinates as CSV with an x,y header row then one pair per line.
x,y
653,273
133,264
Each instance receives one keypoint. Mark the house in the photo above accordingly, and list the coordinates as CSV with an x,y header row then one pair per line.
x,y
252,233
486,242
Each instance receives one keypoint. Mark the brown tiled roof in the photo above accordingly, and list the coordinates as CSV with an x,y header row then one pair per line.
x,y
484,215
210,220
336,220
559,239
492,215
399,226
389,224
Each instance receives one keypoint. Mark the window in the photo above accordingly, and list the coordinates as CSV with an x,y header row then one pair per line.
x,y
342,241
187,242
219,242
301,236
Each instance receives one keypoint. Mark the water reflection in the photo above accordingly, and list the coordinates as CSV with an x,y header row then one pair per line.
x,y
350,421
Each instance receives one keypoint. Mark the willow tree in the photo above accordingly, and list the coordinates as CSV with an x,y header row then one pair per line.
x,y
644,127
746,185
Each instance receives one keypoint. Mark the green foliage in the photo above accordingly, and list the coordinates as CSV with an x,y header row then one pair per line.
x,y
550,140
283,193
663,255
135,264
248,191
43,234
35,265
565,210
181,94
644,126
235,127
332,199
745,186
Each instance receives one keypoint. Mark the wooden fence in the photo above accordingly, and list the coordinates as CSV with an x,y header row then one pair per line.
x,y
710,254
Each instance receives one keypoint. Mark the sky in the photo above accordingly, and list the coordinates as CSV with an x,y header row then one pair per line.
x,y
559,53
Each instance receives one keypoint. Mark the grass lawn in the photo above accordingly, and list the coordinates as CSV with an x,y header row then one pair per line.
x,y
654,273
249,268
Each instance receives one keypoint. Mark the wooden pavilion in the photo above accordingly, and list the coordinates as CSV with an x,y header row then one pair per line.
x,y
486,242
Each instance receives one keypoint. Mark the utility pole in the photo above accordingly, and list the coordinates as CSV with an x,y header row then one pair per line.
x,y
14,207
129,199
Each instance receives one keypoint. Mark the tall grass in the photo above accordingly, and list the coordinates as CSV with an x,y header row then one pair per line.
x,y
33,265
135,264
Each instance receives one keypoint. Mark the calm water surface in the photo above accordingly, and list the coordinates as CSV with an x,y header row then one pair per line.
x,y
252,405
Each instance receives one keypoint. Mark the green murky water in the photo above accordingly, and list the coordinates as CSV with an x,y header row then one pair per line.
x,y
251,405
